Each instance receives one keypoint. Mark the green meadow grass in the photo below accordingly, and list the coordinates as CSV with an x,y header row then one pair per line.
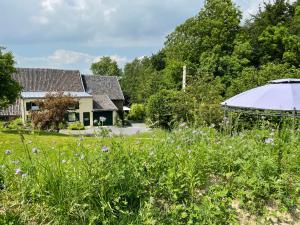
x,y
184,177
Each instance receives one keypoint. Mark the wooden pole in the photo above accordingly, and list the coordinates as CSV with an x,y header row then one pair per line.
x,y
184,78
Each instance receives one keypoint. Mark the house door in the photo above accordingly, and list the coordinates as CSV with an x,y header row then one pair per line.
x,y
86,119
108,116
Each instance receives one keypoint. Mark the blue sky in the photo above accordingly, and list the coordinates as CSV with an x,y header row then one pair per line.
x,y
71,34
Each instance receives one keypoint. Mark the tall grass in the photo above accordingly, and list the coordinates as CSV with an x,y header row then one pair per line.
x,y
188,176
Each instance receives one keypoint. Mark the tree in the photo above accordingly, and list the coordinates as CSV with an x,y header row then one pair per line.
x,y
52,111
106,66
9,88
168,107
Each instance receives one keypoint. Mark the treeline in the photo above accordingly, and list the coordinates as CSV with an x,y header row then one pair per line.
x,y
223,54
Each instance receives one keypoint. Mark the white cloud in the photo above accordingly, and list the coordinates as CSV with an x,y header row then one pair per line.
x,y
66,59
50,5
62,56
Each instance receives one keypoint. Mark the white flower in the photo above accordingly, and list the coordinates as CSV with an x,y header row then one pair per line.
x,y
8,152
15,162
82,157
63,161
190,151
24,175
29,142
35,150
102,119
269,140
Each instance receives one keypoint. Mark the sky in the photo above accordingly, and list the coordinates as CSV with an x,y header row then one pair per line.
x,y
71,34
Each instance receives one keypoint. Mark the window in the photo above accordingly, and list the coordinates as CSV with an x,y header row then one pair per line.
x,y
28,118
73,117
31,106
74,107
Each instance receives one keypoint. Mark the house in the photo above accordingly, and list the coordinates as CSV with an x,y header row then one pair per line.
x,y
98,96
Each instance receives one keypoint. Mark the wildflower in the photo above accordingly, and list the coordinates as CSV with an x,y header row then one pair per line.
x,y
102,119
63,161
7,152
15,162
24,175
78,144
29,142
269,140
52,148
183,125
2,166
105,149
18,172
195,132
212,125
190,151
178,147
82,157
35,151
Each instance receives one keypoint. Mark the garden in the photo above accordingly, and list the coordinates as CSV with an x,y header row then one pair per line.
x,y
184,176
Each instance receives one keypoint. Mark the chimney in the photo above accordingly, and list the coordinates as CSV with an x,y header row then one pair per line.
x,y
184,78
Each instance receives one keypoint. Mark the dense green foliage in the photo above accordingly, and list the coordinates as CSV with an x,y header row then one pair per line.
x,y
105,67
230,56
9,88
184,177
137,112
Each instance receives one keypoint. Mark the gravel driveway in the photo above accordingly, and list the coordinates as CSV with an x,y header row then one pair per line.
x,y
134,129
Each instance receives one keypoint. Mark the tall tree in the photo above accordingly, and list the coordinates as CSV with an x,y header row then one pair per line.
x,y
277,13
106,66
205,38
9,88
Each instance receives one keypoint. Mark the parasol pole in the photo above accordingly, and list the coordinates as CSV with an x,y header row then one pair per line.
x,y
294,118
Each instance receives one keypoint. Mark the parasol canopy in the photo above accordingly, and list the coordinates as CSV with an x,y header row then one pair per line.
x,y
277,95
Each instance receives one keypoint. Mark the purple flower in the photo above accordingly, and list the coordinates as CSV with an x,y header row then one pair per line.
x,y
105,149
18,172
8,152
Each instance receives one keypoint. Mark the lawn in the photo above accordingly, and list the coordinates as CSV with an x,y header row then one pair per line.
x,y
188,176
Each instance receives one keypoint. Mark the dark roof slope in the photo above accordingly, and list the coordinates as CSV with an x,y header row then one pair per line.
x,y
103,85
103,103
33,79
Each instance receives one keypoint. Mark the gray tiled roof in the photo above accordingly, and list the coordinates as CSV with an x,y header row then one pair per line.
x,y
33,79
102,102
12,110
103,85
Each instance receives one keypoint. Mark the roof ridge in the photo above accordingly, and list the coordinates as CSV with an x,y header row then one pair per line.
x,y
38,68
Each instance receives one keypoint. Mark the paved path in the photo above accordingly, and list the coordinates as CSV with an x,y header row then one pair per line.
x,y
134,129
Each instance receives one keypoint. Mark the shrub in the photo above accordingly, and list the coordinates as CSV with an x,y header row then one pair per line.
x,y
166,108
76,126
15,124
137,112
